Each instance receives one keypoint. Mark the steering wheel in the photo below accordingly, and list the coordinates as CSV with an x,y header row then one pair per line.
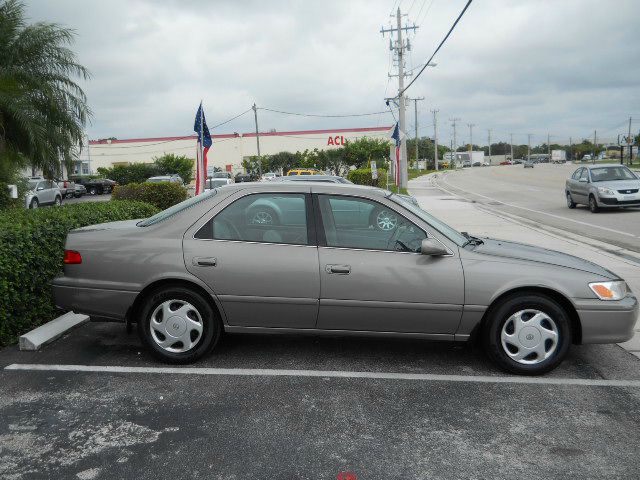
x,y
398,245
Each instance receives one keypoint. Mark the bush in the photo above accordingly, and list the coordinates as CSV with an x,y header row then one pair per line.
x,y
31,253
362,176
170,163
134,173
162,195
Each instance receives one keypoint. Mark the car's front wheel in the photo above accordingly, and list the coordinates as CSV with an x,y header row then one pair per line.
x,y
593,204
178,325
58,201
34,203
527,334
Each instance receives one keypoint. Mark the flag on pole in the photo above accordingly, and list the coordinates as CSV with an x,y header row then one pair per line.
x,y
204,143
396,135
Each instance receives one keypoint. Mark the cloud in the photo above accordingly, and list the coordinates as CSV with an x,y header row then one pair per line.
x,y
533,66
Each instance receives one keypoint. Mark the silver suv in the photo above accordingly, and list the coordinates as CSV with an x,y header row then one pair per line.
x,y
42,192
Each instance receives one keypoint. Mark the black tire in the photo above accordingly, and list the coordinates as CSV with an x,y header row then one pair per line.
x,y
570,202
593,204
211,324
263,216
58,201
93,191
34,203
500,314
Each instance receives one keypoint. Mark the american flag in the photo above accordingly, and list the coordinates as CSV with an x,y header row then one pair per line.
x,y
204,143
396,170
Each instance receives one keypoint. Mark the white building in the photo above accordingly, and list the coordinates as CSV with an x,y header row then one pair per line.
x,y
227,151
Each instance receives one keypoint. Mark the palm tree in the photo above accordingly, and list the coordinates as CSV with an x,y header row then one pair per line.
x,y
43,111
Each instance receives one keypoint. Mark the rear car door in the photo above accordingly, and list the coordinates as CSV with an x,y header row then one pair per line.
x,y
257,252
572,184
582,186
372,276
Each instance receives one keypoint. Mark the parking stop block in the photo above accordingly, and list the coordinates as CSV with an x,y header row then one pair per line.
x,y
50,331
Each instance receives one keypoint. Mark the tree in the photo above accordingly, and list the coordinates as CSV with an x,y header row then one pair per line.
x,y
170,163
43,111
359,153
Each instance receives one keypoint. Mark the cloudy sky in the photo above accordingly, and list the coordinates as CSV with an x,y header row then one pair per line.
x,y
564,67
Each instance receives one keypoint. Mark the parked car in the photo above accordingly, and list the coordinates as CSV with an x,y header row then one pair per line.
x,y
327,264
222,175
528,163
269,176
95,186
466,163
603,186
506,162
67,188
244,177
303,171
175,178
79,190
212,183
42,192
517,161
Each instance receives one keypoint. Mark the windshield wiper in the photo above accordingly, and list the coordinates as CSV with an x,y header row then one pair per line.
x,y
471,240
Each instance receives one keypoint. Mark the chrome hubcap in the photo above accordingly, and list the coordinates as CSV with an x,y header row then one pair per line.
x,y
176,326
386,220
529,336
262,218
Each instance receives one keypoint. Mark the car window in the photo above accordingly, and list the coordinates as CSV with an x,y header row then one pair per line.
x,y
261,217
576,174
584,174
177,208
351,222
607,174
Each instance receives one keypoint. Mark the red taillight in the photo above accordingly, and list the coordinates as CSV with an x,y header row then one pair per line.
x,y
71,257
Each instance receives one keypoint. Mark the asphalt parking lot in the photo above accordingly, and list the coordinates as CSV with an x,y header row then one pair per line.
x,y
312,407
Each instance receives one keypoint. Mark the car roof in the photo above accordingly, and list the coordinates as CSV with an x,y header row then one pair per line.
x,y
600,165
305,187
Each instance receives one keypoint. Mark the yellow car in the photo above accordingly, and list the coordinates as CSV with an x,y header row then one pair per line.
x,y
303,171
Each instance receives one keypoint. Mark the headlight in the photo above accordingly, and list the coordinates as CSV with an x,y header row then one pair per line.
x,y
606,191
616,290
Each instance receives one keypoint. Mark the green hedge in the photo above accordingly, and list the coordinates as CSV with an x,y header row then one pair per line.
x,y
31,253
362,176
163,195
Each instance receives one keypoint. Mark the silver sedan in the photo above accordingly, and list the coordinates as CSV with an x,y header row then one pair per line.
x,y
603,186
341,259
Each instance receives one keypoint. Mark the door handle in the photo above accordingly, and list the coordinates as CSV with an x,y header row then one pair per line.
x,y
205,261
339,269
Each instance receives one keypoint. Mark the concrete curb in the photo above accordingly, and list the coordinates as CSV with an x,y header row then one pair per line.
x,y
50,331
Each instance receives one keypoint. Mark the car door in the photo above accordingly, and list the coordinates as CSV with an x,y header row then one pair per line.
x,y
572,184
51,191
259,255
582,187
373,278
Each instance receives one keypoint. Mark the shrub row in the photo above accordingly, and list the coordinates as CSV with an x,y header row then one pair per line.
x,y
162,195
31,254
362,176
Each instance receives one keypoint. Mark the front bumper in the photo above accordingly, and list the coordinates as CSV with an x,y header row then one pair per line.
x,y
619,200
607,322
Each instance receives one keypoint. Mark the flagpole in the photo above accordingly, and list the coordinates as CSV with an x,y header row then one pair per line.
x,y
203,174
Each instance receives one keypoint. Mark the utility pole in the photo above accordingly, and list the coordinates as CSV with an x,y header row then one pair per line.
x,y
630,144
435,138
529,145
511,144
454,145
549,147
400,47
415,108
471,125
570,149
489,132
255,115
595,146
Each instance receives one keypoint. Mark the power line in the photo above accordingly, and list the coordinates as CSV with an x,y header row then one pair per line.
x,y
231,119
320,115
437,49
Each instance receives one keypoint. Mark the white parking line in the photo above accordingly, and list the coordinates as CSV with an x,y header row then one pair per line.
x,y
263,372
537,211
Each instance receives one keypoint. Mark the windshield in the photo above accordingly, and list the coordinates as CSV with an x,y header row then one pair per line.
x,y
32,184
607,174
449,232
163,215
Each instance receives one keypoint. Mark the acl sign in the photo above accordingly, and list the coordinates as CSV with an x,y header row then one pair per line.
x,y
337,140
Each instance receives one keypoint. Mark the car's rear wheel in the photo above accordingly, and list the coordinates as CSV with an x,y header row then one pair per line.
x,y
570,202
178,325
593,204
58,201
527,334
34,203
93,191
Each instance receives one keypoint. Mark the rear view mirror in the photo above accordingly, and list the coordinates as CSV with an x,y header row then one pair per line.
x,y
433,248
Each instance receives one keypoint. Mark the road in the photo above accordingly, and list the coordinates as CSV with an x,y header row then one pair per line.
x,y
537,194
304,408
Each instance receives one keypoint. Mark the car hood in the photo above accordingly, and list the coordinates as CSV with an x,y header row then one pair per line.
x,y
121,225
619,184
521,251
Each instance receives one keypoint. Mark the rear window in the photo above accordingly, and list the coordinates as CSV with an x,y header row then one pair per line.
x,y
171,211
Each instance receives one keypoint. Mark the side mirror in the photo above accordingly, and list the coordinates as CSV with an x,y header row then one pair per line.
x,y
433,248
39,188
583,180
